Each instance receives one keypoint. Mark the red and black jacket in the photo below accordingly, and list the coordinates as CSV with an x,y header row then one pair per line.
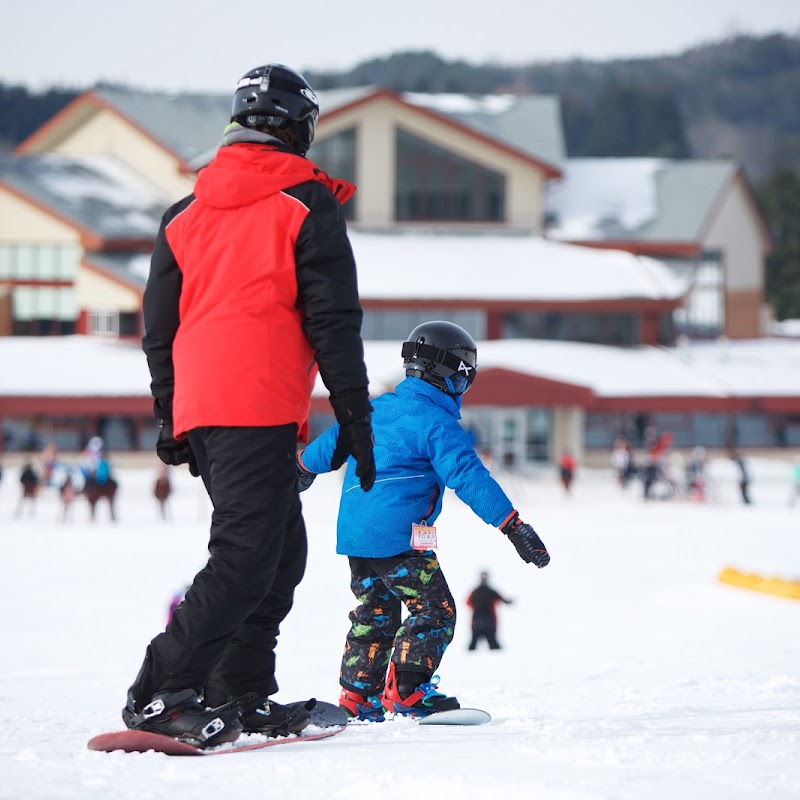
x,y
253,286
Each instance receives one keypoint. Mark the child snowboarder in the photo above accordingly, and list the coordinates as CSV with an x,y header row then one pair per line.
x,y
388,533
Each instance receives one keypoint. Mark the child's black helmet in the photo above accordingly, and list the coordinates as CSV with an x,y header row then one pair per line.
x,y
277,96
441,353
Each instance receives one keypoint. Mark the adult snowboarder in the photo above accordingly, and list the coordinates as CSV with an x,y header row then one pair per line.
x,y
252,281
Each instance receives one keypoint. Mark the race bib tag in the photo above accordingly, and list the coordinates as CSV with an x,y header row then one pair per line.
x,y
423,537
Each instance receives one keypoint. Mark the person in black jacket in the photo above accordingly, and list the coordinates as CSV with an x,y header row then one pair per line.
x,y
252,288
483,601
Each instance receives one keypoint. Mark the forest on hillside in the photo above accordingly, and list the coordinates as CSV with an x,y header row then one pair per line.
x,y
737,98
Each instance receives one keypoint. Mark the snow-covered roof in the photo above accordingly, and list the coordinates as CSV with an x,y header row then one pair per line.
x,y
98,193
454,267
85,366
757,368
72,366
529,123
503,267
131,268
635,199
191,125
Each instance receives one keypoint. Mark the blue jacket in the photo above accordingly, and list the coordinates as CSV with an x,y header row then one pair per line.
x,y
420,448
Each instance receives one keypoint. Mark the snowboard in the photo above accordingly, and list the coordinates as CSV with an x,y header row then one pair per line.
x,y
456,716
326,720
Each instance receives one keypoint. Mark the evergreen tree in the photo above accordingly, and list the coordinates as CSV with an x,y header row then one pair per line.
x,y
22,112
780,200
631,120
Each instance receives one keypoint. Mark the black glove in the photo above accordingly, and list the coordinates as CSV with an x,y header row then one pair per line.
x,y
304,477
353,411
530,547
173,451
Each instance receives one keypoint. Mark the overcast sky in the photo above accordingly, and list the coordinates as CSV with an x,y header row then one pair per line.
x,y
206,46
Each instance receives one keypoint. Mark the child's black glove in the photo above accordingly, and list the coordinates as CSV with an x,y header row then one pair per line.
x,y
530,547
174,451
304,477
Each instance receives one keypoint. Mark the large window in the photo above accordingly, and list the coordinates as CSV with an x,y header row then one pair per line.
x,y
391,325
337,156
38,262
704,313
435,185
43,310
612,329
111,323
510,438
706,429
42,302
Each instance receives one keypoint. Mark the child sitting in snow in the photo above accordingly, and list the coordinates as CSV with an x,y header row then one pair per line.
x,y
387,533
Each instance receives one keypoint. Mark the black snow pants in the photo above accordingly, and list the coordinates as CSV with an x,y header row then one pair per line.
x,y
221,639
382,586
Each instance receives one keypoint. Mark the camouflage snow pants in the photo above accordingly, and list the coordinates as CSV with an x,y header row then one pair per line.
x,y
376,634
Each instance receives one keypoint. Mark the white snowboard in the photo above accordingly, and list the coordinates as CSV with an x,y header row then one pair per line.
x,y
458,716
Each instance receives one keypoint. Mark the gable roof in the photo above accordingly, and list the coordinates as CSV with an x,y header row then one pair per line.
x,y
101,196
648,200
130,269
528,123
490,119
190,125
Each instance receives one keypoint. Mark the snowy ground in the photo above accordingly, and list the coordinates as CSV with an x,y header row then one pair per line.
x,y
628,671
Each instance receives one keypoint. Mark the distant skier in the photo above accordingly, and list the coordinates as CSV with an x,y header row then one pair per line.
x,y
567,465
696,474
744,476
483,600
795,494
30,481
162,489
388,533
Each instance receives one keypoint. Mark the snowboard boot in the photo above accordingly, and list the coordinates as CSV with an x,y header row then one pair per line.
x,y
265,716
359,706
183,716
405,694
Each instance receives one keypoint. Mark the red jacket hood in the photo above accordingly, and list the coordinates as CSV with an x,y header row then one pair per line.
x,y
242,174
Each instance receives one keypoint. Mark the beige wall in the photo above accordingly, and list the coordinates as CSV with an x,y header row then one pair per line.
x,y
22,222
375,125
567,433
735,231
105,132
94,291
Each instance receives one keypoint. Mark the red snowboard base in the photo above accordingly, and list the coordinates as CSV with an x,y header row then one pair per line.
x,y
141,742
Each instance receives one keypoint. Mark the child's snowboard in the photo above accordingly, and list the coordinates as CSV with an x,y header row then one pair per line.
x,y
457,716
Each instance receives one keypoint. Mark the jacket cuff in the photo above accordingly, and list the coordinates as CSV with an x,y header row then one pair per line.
x,y
351,406
162,408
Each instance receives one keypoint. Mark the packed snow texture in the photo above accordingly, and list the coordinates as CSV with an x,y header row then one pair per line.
x,y
628,670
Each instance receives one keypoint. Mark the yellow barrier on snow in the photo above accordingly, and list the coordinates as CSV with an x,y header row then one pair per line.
x,y
759,583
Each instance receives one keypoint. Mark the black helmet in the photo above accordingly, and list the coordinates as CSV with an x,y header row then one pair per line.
x,y
278,96
443,354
